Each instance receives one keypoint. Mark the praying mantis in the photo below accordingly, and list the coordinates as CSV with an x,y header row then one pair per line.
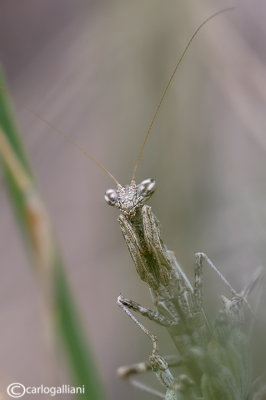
x,y
177,302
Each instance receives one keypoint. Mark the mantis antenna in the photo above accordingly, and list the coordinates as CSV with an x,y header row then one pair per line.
x,y
69,139
169,83
84,151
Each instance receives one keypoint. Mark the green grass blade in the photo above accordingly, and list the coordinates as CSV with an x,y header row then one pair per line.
x,y
44,252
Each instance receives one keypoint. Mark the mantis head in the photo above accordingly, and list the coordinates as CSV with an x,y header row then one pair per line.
x,y
130,197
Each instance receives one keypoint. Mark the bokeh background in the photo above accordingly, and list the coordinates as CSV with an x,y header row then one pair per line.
x,y
96,69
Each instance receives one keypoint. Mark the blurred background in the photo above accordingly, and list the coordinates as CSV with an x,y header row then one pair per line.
x,y
97,69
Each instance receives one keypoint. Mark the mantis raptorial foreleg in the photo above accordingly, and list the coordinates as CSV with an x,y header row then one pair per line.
x,y
142,236
158,364
152,236
146,312
136,250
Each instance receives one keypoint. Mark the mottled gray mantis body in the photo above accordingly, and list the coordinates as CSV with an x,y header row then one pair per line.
x,y
178,303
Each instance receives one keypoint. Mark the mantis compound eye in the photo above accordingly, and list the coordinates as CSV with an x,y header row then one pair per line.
x,y
111,197
146,188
